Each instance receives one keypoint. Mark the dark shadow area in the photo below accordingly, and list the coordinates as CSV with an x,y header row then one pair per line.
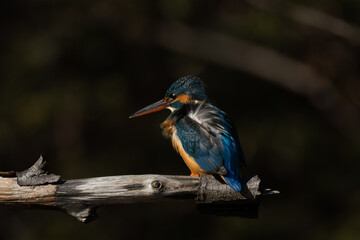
x,y
71,73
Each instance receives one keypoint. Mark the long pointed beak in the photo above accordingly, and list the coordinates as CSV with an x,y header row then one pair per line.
x,y
160,105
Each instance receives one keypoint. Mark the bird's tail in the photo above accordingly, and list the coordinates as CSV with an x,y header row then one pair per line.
x,y
238,186
234,183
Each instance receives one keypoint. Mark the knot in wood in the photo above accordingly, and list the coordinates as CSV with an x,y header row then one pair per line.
x,y
157,184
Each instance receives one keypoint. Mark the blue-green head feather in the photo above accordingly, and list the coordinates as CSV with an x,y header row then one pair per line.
x,y
202,133
190,86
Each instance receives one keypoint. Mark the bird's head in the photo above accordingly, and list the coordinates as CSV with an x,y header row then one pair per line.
x,y
179,93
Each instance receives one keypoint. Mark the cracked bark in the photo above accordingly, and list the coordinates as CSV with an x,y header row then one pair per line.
x,y
81,197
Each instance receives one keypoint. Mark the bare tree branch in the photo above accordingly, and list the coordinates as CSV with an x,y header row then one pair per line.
x,y
8,174
81,197
35,175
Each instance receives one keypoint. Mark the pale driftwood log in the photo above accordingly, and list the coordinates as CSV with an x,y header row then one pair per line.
x,y
81,197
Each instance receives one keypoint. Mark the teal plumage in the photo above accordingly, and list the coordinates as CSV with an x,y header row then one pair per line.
x,y
202,133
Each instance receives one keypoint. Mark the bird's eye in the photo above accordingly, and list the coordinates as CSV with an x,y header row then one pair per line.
x,y
172,96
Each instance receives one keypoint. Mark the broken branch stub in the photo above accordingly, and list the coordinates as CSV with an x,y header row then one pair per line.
x,y
81,197
35,175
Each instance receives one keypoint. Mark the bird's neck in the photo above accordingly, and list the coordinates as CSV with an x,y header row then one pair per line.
x,y
169,125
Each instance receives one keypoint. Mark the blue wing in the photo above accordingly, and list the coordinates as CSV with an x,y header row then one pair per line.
x,y
208,135
200,145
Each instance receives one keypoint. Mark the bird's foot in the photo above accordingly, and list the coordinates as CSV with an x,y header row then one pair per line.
x,y
194,175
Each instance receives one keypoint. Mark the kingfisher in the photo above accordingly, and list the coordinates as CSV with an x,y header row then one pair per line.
x,y
201,133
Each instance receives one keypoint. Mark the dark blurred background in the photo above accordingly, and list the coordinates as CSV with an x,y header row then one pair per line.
x,y
287,72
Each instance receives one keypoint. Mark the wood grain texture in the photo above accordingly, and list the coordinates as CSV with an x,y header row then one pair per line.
x,y
13,194
36,175
81,197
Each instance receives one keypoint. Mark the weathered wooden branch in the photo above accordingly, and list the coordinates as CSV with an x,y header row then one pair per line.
x,y
35,175
81,197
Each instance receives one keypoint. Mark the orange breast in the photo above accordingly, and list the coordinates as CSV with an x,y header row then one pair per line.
x,y
169,130
189,161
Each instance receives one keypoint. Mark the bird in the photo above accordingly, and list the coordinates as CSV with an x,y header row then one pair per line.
x,y
201,133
